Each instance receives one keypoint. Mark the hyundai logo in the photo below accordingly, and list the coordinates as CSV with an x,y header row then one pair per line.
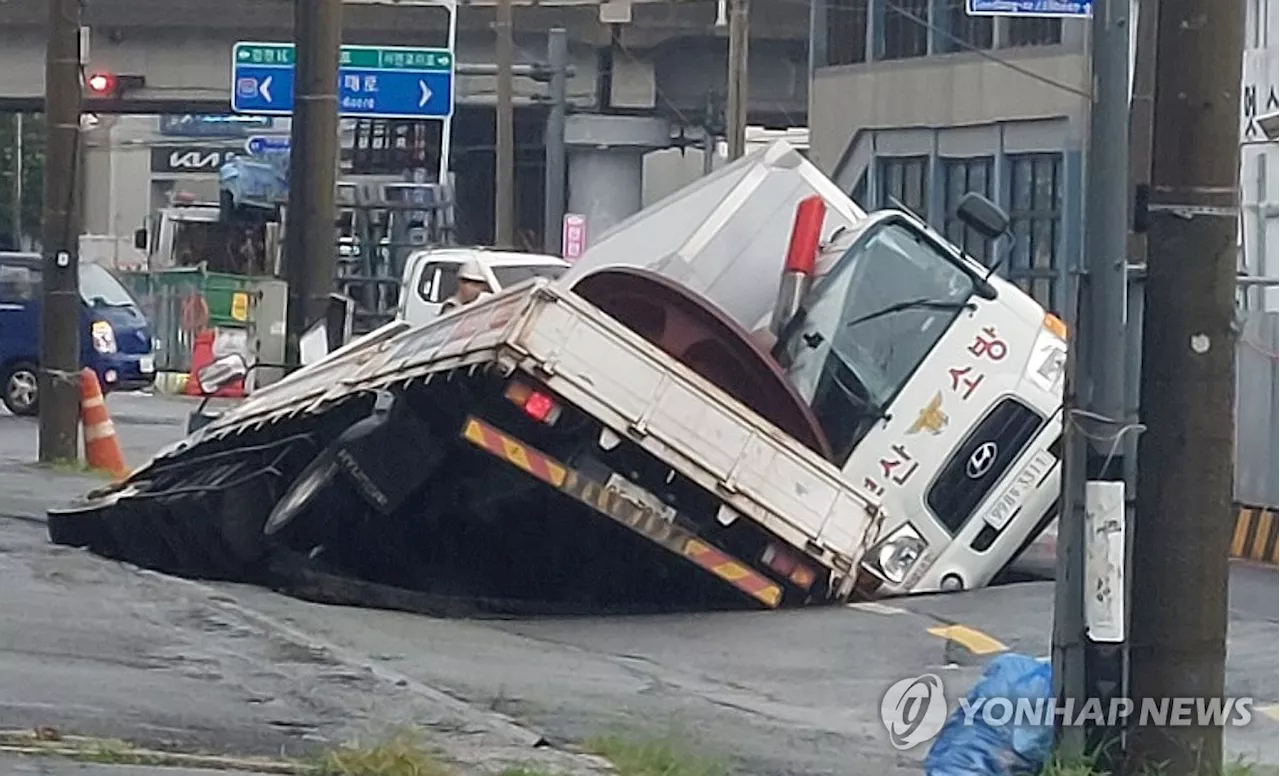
x,y
981,461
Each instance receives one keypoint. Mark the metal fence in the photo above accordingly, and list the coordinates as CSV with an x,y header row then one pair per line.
x,y
1258,411
179,304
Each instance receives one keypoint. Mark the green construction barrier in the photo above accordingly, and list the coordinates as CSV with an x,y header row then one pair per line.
x,y
179,303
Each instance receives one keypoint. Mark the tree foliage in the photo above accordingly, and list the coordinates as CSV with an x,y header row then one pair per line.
x,y
32,175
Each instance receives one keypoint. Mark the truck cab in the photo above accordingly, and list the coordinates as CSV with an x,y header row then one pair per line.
x,y
431,276
939,386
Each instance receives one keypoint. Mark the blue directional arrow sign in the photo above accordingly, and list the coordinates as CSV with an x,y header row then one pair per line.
x,y
1042,8
259,145
388,82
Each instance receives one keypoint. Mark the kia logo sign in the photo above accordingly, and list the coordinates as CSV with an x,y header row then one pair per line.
x,y
190,159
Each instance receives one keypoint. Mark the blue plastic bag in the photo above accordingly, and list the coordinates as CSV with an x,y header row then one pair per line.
x,y
1020,746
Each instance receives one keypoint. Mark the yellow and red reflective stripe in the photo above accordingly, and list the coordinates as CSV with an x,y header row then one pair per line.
x,y
733,572
488,438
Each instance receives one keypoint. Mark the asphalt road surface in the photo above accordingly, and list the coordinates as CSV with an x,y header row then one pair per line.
x,y
104,650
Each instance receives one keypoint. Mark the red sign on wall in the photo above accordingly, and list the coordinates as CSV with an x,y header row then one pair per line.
x,y
573,237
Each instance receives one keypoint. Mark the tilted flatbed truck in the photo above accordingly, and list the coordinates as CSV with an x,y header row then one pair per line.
x,y
614,439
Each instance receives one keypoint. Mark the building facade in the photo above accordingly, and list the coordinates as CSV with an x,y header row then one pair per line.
x,y
916,102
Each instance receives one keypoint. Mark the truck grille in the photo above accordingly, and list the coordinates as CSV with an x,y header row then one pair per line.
x,y
980,461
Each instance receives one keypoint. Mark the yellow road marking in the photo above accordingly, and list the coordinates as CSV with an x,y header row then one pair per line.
x,y
975,641
1260,538
1272,711
1242,533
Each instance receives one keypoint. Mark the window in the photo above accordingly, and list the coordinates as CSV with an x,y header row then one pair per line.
x,y
439,281
1033,32
906,30
846,32
99,288
906,180
859,338
961,176
19,284
965,32
1035,213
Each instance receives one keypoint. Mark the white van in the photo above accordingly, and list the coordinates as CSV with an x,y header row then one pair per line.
x,y
431,276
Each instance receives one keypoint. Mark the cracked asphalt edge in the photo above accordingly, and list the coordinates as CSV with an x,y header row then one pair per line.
x,y
493,722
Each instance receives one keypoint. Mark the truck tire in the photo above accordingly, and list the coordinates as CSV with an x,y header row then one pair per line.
x,y
20,386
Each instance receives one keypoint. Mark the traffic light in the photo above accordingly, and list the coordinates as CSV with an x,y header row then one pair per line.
x,y
110,85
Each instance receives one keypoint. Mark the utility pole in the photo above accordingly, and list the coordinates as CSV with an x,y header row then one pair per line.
x,y
504,161
558,92
310,242
736,102
59,326
1088,656
18,150
1186,455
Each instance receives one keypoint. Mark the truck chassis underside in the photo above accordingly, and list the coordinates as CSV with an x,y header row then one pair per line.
x,y
494,525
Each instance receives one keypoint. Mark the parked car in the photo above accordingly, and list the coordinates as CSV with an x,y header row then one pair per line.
x,y
115,338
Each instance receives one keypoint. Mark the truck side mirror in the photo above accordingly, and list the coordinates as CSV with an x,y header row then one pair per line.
x,y
982,215
140,239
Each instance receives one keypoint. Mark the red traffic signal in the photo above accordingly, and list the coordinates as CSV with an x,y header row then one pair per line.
x,y
100,85
110,85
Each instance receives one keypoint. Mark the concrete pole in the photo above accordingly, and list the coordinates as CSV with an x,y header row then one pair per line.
x,y
18,150
504,134
309,238
1186,456
736,104
1084,667
558,91
60,319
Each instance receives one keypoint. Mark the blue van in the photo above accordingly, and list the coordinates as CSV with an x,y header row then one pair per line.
x,y
115,339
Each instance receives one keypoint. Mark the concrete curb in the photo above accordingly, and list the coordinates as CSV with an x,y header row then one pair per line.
x,y
1257,535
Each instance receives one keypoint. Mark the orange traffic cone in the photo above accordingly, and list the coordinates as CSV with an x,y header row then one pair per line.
x,y
101,447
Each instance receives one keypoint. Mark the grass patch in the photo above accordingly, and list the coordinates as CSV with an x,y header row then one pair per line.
x,y
654,757
399,755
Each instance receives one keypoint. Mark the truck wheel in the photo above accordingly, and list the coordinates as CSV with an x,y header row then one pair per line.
x,y
21,388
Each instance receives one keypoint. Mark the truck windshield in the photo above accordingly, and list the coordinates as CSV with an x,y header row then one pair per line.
x,y
99,288
867,325
224,247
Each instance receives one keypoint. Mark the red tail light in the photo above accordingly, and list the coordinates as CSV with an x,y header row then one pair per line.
x,y
786,564
535,404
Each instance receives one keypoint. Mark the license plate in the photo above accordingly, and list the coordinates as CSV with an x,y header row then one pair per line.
x,y
1007,505
147,364
640,497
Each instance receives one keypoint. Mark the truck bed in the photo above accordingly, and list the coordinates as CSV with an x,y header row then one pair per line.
x,y
629,385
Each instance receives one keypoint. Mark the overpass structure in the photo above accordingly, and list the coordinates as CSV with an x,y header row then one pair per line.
x,y
666,66
667,60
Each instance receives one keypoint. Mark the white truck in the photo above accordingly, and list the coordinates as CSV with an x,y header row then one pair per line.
x,y
612,438
431,276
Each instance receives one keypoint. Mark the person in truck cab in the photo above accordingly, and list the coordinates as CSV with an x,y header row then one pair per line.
x,y
472,284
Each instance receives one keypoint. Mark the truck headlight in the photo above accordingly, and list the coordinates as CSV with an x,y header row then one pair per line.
x,y
104,337
1047,364
891,558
